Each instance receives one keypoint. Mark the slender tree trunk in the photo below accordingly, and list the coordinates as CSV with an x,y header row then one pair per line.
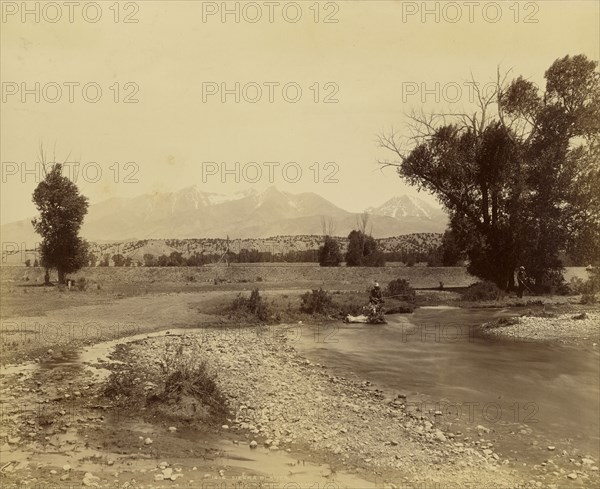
x,y
47,277
61,276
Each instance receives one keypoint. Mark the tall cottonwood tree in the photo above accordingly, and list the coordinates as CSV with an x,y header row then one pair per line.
x,y
518,177
62,210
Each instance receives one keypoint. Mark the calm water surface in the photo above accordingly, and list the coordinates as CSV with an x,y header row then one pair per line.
x,y
436,355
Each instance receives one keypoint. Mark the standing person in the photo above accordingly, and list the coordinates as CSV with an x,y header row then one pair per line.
x,y
521,277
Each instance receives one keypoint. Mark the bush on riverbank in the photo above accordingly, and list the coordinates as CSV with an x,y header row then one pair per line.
x,y
318,301
401,290
588,288
253,306
483,291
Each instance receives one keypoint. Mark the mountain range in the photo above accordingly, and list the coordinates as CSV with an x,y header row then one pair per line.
x,y
193,213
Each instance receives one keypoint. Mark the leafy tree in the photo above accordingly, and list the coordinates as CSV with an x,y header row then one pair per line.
x,y
128,261
28,262
36,263
163,260
176,259
363,251
104,262
330,254
149,260
62,210
118,260
448,253
516,182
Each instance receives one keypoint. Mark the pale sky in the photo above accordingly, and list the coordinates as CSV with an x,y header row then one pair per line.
x,y
366,61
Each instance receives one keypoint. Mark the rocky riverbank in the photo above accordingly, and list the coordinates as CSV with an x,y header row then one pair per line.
x,y
281,401
581,328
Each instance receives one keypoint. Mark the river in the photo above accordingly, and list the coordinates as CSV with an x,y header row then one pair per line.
x,y
436,358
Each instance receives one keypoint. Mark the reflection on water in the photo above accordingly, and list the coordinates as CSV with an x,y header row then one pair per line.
x,y
436,354
65,359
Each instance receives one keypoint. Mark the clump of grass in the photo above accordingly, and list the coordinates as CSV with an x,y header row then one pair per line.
x,y
482,291
183,388
186,377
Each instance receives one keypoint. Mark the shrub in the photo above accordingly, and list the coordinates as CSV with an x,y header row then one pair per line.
x,y
185,376
589,288
183,381
400,289
588,299
82,284
253,305
577,285
316,302
482,291
551,282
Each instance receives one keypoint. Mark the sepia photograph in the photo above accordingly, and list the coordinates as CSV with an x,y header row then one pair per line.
x,y
309,244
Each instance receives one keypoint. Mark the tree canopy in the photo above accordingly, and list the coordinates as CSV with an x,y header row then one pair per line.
x,y
330,254
520,176
62,210
363,250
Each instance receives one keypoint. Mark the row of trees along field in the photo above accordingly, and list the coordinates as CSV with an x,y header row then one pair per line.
x,y
326,256
519,178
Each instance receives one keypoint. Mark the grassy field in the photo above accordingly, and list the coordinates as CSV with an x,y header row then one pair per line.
x,y
22,293
419,277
